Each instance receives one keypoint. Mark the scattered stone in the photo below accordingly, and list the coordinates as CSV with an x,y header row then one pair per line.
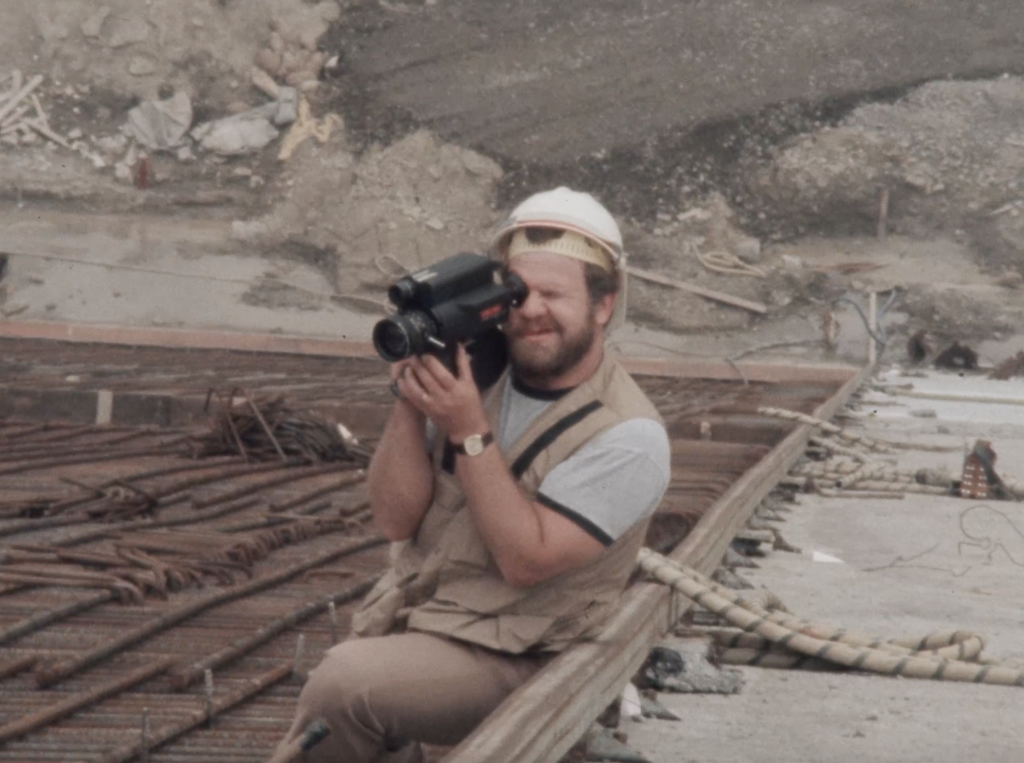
x,y
160,124
237,135
434,224
111,144
256,182
602,745
242,172
264,81
16,309
93,25
184,154
668,670
141,66
123,172
75,134
126,30
654,709
248,230
287,106
748,249
792,261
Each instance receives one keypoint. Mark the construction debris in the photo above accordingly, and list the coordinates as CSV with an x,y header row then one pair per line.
x,y
667,669
1012,366
161,125
267,430
958,357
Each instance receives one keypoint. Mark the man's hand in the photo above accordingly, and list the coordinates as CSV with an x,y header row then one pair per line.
x,y
451,402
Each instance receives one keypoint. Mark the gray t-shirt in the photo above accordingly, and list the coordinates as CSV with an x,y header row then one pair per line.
x,y
611,482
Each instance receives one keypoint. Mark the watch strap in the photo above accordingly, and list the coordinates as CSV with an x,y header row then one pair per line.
x,y
459,448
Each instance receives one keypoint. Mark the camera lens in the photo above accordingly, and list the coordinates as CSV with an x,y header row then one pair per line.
x,y
391,341
403,335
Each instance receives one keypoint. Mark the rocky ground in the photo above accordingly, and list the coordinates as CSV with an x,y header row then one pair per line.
x,y
817,153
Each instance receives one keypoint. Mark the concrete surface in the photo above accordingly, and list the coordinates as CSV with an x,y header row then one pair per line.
x,y
907,568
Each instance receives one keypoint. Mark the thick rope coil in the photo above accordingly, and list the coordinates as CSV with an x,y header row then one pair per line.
x,y
877,657
826,427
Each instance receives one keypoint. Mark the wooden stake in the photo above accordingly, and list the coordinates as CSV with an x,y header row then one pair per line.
x,y
872,328
883,215
333,613
208,680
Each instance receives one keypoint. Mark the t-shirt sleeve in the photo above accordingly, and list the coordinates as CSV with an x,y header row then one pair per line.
x,y
613,481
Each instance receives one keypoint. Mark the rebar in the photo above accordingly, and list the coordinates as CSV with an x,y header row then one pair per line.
x,y
75,702
60,671
182,679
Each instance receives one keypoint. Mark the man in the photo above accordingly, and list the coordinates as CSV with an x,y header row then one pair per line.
x,y
516,529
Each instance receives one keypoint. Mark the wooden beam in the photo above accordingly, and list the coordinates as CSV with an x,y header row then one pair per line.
x,y
198,339
548,714
727,299
195,339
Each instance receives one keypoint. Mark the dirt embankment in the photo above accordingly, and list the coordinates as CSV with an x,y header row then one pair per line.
x,y
425,121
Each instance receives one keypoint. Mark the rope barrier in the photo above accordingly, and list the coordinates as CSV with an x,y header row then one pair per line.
x,y
942,656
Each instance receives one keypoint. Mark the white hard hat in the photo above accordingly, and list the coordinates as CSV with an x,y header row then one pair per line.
x,y
565,209
568,210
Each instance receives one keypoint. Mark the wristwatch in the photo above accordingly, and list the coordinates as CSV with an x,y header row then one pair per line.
x,y
473,445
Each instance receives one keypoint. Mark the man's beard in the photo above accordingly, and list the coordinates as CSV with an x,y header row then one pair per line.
x,y
537,364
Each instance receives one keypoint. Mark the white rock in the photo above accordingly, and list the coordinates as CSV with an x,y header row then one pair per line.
x,y
112,144
748,249
248,230
126,30
434,224
123,172
792,261
256,182
93,25
235,136
141,66
75,134
184,154
160,124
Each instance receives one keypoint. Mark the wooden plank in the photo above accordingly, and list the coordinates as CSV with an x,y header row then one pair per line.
x,y
327,347
700,291
186,338
548,714
755,372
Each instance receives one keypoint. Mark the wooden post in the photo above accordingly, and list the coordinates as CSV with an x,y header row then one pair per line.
x,y
883,215
872,328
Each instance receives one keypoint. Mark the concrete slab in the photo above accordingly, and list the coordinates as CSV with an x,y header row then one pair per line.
x,y
906,568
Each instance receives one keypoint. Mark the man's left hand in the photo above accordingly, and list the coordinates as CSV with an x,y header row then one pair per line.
x,y
451,402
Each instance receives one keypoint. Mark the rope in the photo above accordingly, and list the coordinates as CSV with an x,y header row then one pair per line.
x,y
726,262
824,426
939,656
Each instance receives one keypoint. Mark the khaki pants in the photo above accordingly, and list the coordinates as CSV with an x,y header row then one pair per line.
x,y
382,696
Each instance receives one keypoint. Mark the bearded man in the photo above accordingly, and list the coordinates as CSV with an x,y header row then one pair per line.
x,y
515,530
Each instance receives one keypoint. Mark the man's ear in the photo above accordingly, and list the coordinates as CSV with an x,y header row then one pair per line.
x,y
604,309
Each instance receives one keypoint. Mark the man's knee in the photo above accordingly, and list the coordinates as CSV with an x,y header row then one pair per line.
x,y
339,685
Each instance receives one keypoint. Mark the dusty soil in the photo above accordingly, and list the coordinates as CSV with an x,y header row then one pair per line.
x,y
766,132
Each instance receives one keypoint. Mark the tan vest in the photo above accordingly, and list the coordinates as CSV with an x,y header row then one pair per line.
x,y
444,580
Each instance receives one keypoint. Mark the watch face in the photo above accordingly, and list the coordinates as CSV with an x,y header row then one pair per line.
x,y
474,445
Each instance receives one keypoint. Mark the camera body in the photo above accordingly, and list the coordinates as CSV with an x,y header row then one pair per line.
x,y
455,301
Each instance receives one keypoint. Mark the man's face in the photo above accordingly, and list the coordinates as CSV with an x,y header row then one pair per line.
x,y
556,327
